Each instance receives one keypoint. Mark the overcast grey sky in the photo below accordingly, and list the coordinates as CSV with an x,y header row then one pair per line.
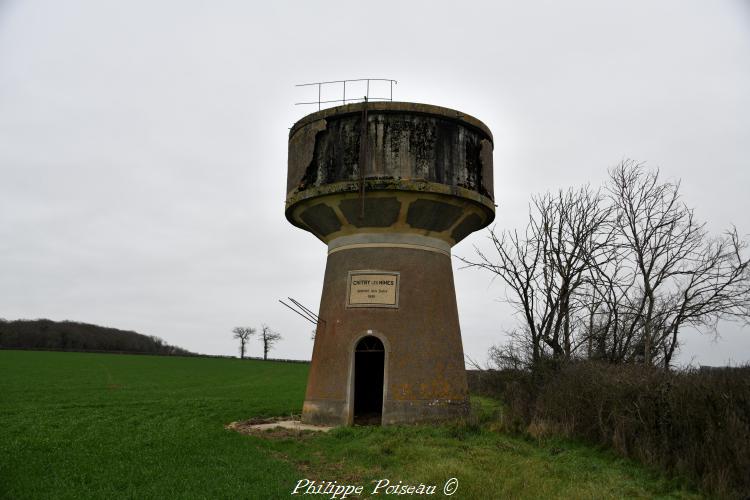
x,y
143,143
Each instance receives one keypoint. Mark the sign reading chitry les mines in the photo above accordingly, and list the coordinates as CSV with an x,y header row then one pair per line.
x,y
372,289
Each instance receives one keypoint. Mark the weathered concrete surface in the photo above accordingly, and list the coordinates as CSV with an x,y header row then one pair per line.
x,y
277,427
332,215
413,147
294,425
405,141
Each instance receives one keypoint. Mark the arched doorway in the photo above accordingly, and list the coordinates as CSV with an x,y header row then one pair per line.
x,y
369,368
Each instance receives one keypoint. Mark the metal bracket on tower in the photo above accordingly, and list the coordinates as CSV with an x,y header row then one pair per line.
x,y
303,311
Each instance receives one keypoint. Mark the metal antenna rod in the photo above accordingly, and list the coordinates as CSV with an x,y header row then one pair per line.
x,y
297,312
308,311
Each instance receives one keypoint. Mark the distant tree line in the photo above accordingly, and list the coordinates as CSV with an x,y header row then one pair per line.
x,y
74,336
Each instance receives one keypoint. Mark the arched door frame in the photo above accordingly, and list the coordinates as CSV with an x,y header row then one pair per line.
x,y
350,383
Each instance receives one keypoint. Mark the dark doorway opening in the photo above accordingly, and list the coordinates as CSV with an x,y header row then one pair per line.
x,y
369,368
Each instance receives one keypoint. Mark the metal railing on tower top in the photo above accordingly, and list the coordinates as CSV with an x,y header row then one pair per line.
x,y
344,99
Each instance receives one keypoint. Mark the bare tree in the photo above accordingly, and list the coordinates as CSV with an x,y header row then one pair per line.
x,y
615,277
607,302
269,338
714,285
515,354
685,278
243,334
659,231
546,267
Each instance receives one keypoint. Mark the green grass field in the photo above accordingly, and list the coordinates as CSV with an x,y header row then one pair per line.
x,y
77,425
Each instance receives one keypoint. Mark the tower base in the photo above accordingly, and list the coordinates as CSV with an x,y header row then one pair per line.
x,y
395,307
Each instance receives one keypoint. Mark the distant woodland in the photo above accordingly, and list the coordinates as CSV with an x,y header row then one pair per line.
x,y
73,336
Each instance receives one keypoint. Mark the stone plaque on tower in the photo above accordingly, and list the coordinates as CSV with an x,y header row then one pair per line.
x,y
373,289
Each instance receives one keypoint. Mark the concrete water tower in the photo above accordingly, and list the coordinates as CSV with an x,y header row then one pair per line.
x,y
390,187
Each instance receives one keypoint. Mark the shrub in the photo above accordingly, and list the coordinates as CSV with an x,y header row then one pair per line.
x,y
694,423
